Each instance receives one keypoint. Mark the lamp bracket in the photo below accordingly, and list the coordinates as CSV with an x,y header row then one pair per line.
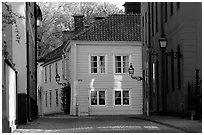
x,y
138,78
150,50
176,55
63,84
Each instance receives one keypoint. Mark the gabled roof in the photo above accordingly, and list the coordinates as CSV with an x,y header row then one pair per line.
x,y
116,27
57,53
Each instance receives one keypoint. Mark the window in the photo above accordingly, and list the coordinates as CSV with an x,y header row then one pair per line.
x,y
172,8
156,6
178,5
98,97
122,97
165,7
121,64
50,72
46,98
50,98
152,18
56,68
63,71
57,103
98,64
45,74
145,27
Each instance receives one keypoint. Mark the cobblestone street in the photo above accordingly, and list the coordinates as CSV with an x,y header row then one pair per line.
x,y
94,124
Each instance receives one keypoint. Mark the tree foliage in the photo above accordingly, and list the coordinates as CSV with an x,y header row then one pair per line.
x,y
65,98
9,18
58,17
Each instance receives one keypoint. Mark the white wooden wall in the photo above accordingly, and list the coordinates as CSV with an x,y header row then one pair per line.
x,y
108,81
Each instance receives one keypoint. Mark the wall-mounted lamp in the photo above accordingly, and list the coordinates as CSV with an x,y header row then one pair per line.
x,y
38,16
131,72
163,43
150,50
57,78
163,46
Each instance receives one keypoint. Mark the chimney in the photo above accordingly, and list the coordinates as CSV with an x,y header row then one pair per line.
x,y
78,23
132,7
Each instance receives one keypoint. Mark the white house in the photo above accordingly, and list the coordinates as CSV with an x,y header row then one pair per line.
x,y
49,92
98,59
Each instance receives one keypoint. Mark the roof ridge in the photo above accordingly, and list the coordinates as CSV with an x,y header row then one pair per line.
x,y
48,54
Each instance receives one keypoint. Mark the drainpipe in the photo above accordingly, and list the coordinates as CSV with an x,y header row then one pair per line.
x,y
163,88
28,67
149,65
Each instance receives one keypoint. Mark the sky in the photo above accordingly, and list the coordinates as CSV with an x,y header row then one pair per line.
x,y
119,3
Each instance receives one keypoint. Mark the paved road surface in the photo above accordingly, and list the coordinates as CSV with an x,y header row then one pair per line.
x,y
105,124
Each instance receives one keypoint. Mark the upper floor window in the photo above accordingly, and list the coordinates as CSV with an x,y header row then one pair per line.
x,y
121,64
152,7
178,5
156,7
97,64
165,8
98,98
56,67
172,8
45,74
46,98
50,71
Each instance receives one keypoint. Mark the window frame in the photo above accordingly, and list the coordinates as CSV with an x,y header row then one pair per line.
x,y
50,98
57,97
50,73
114,65
122,101
166,11
56,68
171,8
46,98
98,64
45,74
97,91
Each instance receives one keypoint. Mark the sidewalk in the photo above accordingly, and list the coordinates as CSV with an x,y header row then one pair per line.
x,y
191,126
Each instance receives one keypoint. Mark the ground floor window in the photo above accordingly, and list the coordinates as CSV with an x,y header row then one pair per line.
x,y
122,97
98,97
50,98
57,97
46,98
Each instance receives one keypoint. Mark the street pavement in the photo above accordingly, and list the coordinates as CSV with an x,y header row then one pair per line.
x,y
60,123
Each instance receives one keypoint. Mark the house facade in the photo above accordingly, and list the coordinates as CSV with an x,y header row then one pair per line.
x,y
18,63
168,73
97,64
49,91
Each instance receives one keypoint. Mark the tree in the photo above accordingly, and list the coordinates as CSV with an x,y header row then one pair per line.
x,y
65,97
9,18
58,17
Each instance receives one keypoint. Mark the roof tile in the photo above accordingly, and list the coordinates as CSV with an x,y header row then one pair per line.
x,y
117,27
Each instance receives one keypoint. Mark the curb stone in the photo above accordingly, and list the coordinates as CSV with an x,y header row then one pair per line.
x,y
169,125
